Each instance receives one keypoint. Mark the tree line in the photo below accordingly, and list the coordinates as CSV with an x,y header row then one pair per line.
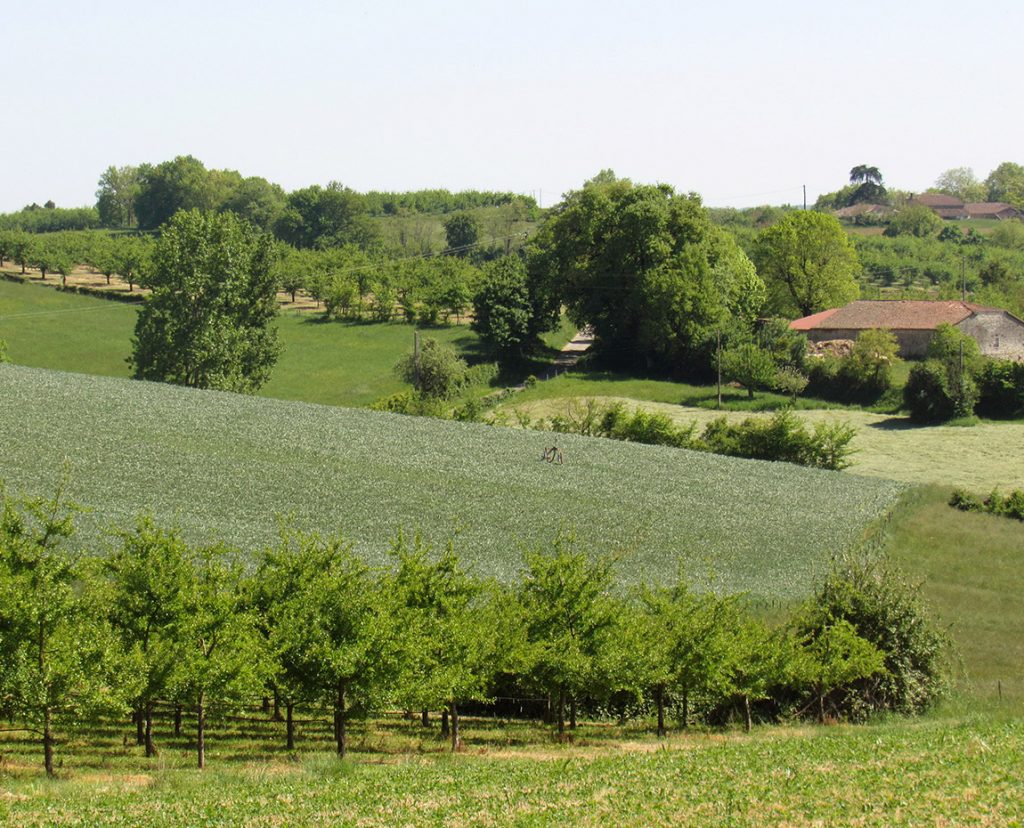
x,y
160,621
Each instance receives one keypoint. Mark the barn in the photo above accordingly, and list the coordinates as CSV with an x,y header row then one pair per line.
x,y
998,333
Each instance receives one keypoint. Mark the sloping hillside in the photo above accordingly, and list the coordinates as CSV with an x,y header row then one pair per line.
x,y
223,465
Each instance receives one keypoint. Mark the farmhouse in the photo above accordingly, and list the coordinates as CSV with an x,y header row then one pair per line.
x,y
999,334
950,207
991,210
944,206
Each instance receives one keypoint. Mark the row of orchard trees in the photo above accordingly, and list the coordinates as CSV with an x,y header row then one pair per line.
x,y
125,256
159,620
347,282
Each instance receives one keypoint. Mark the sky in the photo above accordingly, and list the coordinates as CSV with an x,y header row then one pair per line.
x,y
742,102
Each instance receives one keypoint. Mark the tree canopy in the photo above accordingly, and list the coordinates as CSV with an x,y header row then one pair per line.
x,y
645,268
808,264
207,323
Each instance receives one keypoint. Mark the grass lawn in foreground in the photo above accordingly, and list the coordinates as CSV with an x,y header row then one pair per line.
x,y
903,773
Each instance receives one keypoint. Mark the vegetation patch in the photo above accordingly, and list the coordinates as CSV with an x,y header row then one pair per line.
x,y
224,465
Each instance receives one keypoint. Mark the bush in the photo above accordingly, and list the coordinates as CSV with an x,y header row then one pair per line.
x,y
438,373
887,611
1001,389
782,437
931,397
862,377
1011,505
750,366
868,369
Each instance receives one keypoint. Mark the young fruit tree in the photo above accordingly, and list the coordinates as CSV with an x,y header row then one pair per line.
x,y
148,584
569,615
59,660
222,657
338,631
451,645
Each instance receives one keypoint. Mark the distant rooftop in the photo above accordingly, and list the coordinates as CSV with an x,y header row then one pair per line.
x,y
901,314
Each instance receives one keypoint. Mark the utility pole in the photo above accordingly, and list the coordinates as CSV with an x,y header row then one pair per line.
x,y
416,357
805,196
718,359
963,277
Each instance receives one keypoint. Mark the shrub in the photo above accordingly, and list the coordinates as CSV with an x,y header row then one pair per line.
x,y
782,437
438,373
750,366
867,371
1011,505
930,397
1001,389
886,611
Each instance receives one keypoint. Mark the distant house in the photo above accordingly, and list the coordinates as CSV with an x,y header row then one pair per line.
x,y
991,210
998,333
944,206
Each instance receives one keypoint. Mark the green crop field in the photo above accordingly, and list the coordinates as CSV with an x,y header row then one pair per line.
x,y
225,464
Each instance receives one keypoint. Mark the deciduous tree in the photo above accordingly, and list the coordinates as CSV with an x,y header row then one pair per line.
x,y
808,264
207,323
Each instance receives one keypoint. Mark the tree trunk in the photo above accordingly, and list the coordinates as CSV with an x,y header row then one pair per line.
x,y
750,392
659,699
201,731
140,726
47,742
108,280
150,747
686,709
821,707
177,720
746,710
277,706
339,708
290,723
266,704
456,737
445,729
561,712
572,713
425,718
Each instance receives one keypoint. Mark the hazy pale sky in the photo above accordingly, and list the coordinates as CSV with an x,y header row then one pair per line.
x,y
742,102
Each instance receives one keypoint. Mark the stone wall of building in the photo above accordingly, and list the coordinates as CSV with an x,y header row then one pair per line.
x,y
913,344
999,334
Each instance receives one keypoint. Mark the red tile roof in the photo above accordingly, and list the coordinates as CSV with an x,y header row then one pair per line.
x,y
988,208
904,315
937,200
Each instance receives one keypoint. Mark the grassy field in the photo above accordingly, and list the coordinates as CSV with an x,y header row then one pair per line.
x,y
228,464
331,363
978,458
962,771
971,567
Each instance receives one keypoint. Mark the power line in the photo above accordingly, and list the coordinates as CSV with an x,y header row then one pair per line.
x,y
54,312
